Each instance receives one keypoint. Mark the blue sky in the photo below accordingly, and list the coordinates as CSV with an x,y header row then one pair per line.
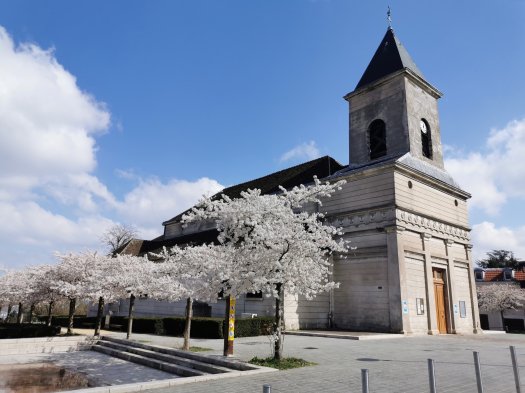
x,y
154,103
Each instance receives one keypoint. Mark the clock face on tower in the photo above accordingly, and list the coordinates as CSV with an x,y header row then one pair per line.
x,y
423,126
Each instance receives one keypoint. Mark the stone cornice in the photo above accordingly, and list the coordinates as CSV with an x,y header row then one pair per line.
x,y
387,216
433,227
364,219
408,73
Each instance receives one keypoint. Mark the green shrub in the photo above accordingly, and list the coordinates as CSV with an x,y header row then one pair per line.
x,y
26,330
260,326
147,325
201,327
78,322
207,328
213,327
174,326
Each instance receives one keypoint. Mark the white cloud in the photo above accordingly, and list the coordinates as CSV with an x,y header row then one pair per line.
x,y
152,202
497,174
47,154
29,223
304,151
486,236
46,122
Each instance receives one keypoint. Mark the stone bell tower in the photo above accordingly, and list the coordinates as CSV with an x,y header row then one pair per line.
x,y
393,109
411,270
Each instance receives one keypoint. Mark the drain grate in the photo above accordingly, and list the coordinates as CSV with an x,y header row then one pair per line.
x,y
310,348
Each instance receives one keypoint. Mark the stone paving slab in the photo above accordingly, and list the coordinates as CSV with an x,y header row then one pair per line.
x,y
395,365
101,369
344,334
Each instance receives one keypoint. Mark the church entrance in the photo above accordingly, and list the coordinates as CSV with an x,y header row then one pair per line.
x,y
439,295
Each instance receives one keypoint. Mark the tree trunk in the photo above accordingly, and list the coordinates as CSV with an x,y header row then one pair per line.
x,y
278,328
130,315
225,325
187,326
503,321
9,309
229,318
50,312
31,311
100,310
72,306
19,315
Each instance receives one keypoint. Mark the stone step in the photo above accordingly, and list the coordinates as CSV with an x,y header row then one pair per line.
x,y
215,360
145,361
189,363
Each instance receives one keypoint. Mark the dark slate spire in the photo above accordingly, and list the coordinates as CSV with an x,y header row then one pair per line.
x,y
391,56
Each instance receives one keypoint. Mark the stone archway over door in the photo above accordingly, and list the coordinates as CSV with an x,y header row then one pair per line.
x,y
439,295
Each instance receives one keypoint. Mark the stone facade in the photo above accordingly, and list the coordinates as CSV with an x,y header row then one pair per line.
x,y
411,271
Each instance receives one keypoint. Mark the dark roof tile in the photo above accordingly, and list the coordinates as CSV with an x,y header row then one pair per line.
x,y
288,178
390,56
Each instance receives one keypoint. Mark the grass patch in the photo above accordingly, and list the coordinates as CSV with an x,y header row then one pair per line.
x,y
283,364
200,349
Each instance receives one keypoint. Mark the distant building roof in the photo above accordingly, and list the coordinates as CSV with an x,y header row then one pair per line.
x,y
390,56
498,274
141,247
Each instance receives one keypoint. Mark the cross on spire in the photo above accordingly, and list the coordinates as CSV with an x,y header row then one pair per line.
x,y
389,17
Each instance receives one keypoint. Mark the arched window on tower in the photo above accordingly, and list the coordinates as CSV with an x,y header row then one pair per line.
x,y
426,139
377,139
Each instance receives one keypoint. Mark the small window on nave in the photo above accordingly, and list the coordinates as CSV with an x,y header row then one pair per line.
x,y
377,139
426,139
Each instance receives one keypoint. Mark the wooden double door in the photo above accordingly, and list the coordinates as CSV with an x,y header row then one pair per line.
x,y
441,299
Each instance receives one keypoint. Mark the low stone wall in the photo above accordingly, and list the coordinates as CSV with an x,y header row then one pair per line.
x,y
21,346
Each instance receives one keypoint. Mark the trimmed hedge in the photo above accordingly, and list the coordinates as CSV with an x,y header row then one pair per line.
x,y
26,330
78,322
261,326
201,327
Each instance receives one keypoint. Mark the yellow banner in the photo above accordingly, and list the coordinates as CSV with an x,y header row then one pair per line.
x,y
231,320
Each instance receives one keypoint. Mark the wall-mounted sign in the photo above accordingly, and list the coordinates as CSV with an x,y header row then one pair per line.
x,y
405,306
420,306
462,309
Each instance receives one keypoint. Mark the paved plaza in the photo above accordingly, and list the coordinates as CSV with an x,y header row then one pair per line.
x,y
397,364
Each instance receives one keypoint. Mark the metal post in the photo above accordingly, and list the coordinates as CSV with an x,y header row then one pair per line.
x,y
477,366
267,388
364,380
431,376
516,369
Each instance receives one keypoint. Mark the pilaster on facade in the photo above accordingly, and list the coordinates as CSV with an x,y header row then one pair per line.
x,y
452,287
397,281
429,286
476,328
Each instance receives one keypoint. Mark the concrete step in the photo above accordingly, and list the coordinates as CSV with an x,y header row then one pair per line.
x,y
231,364
189,363
149,362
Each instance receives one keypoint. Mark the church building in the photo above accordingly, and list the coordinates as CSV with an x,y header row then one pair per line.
x,y
410,270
